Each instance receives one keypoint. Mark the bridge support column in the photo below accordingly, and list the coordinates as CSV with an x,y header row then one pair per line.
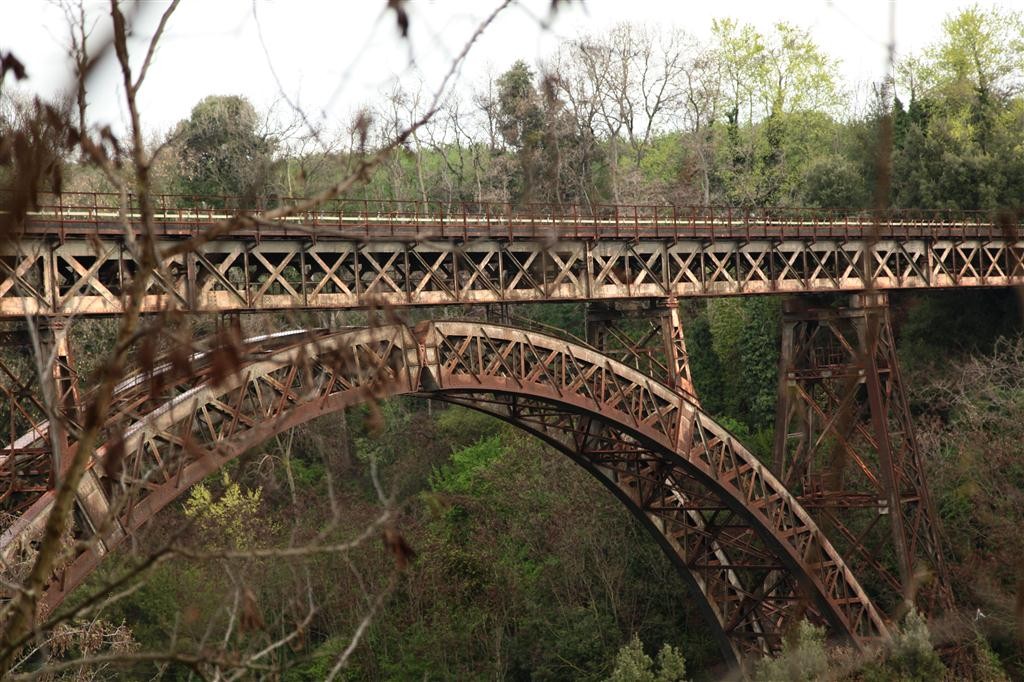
x,y
498,313
61,393
645,334
34,388
844,443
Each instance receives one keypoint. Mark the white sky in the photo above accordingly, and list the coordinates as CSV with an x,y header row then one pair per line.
x,y
331,56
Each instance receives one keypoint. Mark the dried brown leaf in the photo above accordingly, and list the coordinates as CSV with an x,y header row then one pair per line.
x,y
250,619
181,360
8,62
113,459
395,543
401,16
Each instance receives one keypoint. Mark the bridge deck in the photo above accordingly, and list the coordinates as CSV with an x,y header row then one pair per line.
x,y
71,257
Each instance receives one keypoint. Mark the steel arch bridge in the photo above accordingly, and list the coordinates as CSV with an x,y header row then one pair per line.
x,y
752,554
844,505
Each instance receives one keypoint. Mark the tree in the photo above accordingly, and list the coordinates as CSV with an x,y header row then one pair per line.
x,y
782,73
587,180
231,520
637,77
628,86
638,115
803,657
534,123
79,32
740,52
223,151
980,55
913,658
955,139
632,664
971,427
704,99
780,90
520,119
745,339
834,182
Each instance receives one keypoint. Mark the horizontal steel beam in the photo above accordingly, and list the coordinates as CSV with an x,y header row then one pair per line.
x,y
80,276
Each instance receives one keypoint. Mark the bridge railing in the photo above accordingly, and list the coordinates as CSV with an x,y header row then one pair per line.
x,y
76,213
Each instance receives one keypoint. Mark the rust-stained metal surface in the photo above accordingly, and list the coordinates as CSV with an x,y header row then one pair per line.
x,y
845,446
760,549
71,259
754,556
647,335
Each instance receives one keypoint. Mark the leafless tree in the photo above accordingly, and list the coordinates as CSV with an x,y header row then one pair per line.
x,y
80,28
33,153
630,82
703,91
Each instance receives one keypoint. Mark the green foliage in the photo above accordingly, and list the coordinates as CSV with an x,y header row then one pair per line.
x,y
320,663
307,474
929,334
987,666
568,317
958,143
460,476
779,90
706,368
527,568
382,430
520,118
528,576
970,431
803,657
834,182
176,597
462,426
911,657
92,339
633,665
981,51
745,340
759,359
232,518
664,161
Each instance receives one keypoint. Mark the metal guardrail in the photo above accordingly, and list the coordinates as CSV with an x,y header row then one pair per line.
x,y
176,215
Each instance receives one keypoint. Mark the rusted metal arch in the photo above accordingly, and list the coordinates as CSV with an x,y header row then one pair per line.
x,y
670,460
756,639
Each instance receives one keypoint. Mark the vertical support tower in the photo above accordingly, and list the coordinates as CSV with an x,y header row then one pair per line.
x,y
844,444
61,389
35,389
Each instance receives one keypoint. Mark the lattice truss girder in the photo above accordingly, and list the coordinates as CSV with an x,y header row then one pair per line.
x,y
82,276
755,556
647,335
845,445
